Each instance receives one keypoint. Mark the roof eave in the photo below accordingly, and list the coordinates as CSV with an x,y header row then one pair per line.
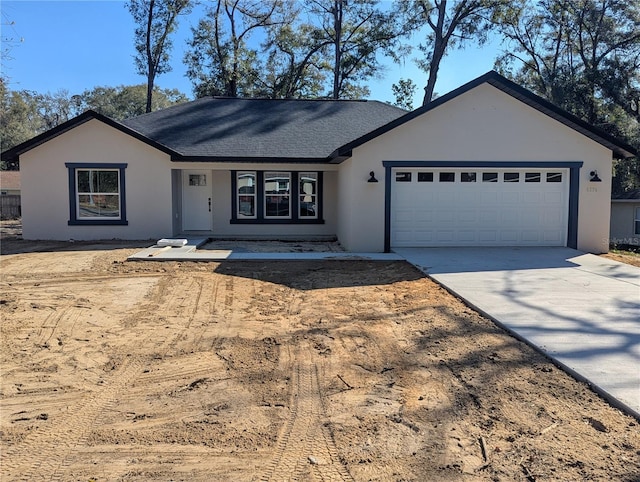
x,y
252,159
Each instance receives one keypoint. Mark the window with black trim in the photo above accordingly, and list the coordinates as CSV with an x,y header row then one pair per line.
x,y
403,177
308,192
276,197
637,221
97,194
246,192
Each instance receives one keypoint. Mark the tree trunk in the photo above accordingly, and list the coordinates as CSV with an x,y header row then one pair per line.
x,y
337,23
149,91
439,46
434,66
151,68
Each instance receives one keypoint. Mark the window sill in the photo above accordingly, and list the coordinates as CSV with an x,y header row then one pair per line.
x,y
276,221
99,222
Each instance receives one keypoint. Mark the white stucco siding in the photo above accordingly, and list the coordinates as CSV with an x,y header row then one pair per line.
x,y
483,124
45,197
361,220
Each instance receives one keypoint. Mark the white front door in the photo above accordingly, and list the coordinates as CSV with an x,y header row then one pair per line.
x,y
196,201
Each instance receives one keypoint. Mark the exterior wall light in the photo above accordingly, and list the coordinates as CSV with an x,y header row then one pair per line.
x,y
593,177
372,177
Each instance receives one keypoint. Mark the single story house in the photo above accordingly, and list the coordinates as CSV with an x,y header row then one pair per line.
x,y
9,183
625,218
9,194
489,164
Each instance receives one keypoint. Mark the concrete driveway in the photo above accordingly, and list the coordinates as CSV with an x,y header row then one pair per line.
x,y
580,309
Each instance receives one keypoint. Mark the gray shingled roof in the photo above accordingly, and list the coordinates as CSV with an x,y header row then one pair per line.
x,y
224,128
626,196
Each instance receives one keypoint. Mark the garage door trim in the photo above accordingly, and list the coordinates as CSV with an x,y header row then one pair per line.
x,y
574,184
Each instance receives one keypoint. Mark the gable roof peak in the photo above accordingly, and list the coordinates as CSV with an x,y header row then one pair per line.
x,y
619,148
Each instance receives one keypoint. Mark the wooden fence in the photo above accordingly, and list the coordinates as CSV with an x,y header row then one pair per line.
x,y
10,206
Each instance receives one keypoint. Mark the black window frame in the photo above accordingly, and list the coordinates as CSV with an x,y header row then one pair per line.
x,y
260,217
74,220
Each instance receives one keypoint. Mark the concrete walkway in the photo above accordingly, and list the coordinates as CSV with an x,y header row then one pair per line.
x,y
580,309
197,249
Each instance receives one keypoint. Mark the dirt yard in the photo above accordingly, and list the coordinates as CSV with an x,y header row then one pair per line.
x,y
251,371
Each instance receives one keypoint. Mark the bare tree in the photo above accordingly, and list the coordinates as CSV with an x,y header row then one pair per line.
x,y
449,24
155,20
356,33
295,64
220,61
9,39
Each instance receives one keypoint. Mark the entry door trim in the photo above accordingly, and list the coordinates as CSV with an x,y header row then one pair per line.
x,y
574,186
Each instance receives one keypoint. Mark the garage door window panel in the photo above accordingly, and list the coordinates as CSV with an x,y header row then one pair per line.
x,y
554,177
425,177
489,177
511,177
468,177
447,177
532,177
403,177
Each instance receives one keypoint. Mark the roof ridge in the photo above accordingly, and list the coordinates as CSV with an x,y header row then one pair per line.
x,y
173,106
290,99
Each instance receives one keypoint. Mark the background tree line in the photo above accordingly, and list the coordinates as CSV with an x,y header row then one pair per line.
x,y
582,55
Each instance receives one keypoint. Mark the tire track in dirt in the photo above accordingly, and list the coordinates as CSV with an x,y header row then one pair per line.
x,y
306,450
47,452
205,311
19,280
52,321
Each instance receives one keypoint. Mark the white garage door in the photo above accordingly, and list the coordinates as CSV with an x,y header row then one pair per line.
x,y
479,207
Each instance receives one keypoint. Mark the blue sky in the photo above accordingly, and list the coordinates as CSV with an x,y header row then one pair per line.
x,y
77,45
